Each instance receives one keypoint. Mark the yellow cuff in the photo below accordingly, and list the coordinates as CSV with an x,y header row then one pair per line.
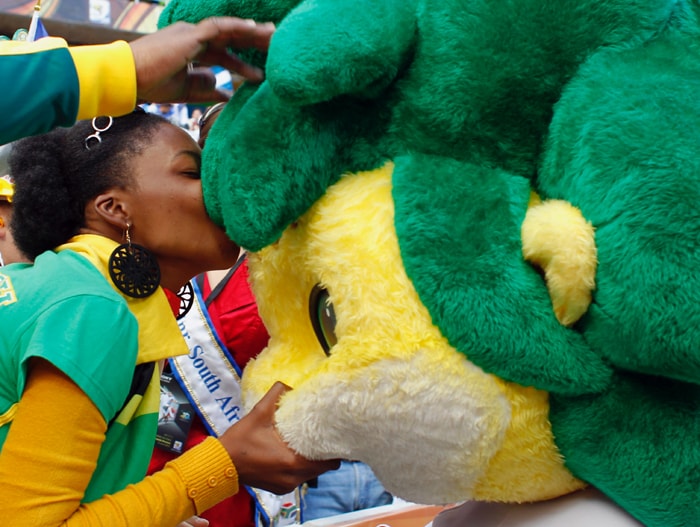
x,y
20,47
107,77
208,473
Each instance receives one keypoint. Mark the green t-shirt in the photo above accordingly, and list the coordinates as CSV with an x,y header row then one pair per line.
x,y
63,310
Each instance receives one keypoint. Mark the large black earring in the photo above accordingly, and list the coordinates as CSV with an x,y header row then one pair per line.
x,y
133,269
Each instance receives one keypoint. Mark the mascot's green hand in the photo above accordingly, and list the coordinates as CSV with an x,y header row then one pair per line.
x,y
558,240
485,298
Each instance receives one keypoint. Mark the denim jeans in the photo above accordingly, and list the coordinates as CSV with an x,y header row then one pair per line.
x,y
350,488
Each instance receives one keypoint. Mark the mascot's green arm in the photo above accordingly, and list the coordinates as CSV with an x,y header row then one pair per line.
x,y
636,443
461,246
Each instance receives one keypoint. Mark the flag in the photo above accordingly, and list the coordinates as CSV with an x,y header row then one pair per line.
x,y
36,27
39,31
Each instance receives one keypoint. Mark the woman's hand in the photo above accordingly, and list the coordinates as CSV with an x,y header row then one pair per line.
x,y
262,458
163,59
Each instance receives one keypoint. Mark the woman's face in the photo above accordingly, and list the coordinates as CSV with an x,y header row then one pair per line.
x,y
167,213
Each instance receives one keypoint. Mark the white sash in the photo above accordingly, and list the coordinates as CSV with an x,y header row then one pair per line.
x,y
211,379
208,374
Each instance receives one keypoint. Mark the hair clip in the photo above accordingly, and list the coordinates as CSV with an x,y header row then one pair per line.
x,y
98,130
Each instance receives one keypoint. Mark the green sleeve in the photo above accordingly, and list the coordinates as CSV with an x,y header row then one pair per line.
x,y
41,88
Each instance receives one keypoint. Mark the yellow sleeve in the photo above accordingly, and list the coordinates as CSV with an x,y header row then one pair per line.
x,y
107,78
51,451
54,85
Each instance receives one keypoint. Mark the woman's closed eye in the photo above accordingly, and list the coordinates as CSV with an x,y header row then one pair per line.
x,y
193,173
189,164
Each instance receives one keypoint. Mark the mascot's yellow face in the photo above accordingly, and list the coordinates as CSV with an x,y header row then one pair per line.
x,y
373,378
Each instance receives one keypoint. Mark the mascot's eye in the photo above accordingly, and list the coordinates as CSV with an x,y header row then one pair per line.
x,y
322,317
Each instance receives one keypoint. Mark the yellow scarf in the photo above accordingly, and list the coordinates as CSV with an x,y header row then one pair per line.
x,y
159,335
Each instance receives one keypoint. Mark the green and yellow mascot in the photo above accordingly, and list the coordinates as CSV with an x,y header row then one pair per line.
x,y
435,318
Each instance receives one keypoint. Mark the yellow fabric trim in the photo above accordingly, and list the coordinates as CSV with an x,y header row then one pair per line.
x,y
8,416
107,78
209,474
144,404
159,335
19,47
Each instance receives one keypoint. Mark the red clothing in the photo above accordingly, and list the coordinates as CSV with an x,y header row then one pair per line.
x,y
235,317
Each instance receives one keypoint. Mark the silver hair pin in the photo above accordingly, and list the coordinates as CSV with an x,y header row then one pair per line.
x,y
96,136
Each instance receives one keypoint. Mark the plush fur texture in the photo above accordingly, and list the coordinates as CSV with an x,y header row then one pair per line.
x,y
590,102
624,145
393,392
356,83
475,283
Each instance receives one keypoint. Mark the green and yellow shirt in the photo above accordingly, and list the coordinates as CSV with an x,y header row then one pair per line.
x,y
94,335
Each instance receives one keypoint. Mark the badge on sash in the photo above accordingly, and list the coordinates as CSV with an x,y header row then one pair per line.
x,y
174,416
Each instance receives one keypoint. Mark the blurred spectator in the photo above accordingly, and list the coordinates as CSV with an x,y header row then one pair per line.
x,y
176,113
193,123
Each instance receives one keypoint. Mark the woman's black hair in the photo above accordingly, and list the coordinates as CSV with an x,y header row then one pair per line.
x,y
56,175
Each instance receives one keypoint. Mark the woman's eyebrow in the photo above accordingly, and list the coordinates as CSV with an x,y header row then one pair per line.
x,y
194,154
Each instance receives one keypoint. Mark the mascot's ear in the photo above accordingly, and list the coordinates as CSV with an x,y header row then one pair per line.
x,y
353,47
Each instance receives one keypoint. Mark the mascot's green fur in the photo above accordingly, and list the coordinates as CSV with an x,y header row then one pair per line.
x,y
476,102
